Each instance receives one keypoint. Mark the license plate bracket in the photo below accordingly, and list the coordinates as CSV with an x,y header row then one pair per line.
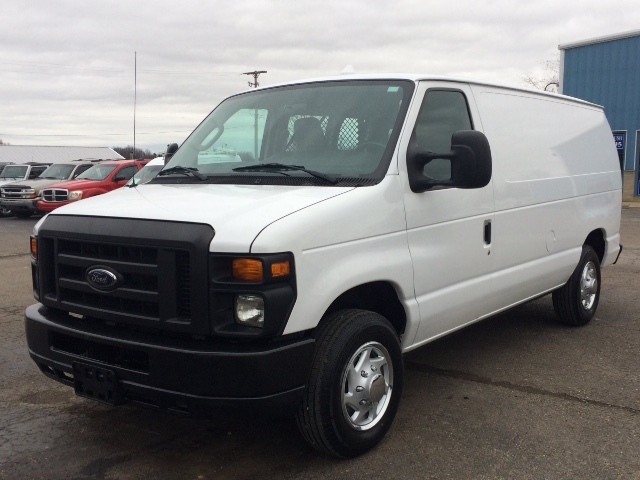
x,y
96,383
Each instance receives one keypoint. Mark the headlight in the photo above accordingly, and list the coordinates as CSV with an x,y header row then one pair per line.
x,y
75,195
250,310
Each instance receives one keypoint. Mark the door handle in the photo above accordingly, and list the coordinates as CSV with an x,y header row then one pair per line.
x,y
487,232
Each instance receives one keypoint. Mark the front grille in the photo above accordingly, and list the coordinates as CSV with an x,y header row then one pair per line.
x,y
55,195
156,283
138,295
14,192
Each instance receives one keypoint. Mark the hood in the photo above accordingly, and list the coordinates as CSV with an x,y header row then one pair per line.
x,y
74,184
4,181
37,184
237,213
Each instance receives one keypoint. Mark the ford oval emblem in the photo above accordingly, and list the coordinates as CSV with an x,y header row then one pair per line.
x,y
101,278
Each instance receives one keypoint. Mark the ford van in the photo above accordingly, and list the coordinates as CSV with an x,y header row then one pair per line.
x,y
306,235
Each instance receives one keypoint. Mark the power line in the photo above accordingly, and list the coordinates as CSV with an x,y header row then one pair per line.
x,y
96,71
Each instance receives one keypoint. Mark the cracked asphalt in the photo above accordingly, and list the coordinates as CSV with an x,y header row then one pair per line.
x,y
516,396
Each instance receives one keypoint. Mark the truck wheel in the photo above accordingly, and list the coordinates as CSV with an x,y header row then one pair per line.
x,y
355,384
5,212
576,302
23,214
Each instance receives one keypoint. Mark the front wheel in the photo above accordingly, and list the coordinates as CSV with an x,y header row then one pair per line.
x,y
355,384
576,302
5,212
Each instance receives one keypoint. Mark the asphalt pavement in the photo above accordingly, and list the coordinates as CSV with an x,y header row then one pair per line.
x,y
517,396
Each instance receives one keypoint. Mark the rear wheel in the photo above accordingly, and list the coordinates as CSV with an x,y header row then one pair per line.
x,y
576,302
355,384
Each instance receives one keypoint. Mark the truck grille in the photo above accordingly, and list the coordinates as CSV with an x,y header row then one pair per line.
x,y
155,285
13,192
55,195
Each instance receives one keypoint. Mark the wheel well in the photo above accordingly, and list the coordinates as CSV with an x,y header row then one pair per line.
x,y
596,241
379,297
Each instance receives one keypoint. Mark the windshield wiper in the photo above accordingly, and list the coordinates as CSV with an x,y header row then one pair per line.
x,y
280,167
190,171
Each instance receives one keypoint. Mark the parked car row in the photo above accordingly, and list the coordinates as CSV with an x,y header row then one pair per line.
x,y
31,189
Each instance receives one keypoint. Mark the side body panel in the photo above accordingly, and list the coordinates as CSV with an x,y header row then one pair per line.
x,y
556,179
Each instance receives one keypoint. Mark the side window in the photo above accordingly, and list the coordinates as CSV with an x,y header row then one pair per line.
x,y
35,172
443,112
240,139
126,173
80,169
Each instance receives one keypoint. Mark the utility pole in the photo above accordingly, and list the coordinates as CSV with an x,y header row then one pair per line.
x,y
255,74
135,99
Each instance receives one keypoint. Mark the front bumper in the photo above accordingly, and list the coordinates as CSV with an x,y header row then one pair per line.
x,y
46,207
162,371
23,205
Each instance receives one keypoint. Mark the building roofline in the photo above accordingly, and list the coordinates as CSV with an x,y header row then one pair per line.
x,y
602,39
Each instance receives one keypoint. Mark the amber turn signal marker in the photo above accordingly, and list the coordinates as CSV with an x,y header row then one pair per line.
x,y
280,269
34,246
247,269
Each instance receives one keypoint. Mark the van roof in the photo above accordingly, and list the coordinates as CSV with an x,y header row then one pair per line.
x,y
418,77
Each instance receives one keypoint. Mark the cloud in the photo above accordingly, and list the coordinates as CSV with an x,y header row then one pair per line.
x,y
67,67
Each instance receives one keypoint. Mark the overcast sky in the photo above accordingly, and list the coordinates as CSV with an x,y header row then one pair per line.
x,y
67,67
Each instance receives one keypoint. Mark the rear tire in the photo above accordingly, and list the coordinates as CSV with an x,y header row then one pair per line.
x,y
576,302
355,384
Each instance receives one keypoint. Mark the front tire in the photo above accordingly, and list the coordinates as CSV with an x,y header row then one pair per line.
x,y
355,384
576,302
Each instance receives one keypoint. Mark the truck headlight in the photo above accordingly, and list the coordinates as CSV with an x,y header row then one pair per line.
x,y
249,310
75,195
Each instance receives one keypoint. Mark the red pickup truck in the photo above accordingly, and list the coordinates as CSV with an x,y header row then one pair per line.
x,y
101,178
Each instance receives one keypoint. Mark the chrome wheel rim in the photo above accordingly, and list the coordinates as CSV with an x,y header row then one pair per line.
x,y
367,382
588,286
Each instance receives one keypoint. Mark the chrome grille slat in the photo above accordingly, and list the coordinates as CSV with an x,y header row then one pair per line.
x,y
55,195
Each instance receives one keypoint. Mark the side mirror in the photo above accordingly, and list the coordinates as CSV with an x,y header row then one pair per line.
x,y
171,149
470,161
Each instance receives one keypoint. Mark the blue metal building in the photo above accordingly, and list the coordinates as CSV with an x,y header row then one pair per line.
x,y
606,71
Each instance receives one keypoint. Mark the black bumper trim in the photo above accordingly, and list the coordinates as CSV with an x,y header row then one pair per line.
x,y
182,376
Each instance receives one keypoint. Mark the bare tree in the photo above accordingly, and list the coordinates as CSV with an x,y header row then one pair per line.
x,y
4,143
128,152
548,79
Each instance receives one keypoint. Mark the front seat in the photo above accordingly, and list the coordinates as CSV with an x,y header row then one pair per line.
x,y
307,135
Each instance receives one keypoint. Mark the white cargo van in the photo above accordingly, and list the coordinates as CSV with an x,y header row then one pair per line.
x,y
361,217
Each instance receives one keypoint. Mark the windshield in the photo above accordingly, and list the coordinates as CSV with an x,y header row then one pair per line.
x,y
343,131
97,172
14,171
57,172
143,176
